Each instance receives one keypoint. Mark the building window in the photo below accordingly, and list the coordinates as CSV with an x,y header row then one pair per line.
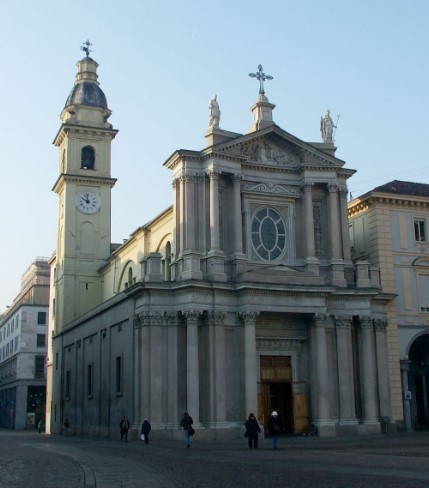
x,y
68,385
89,375
41,318
41,340
39,367
87,158
420,230
118,379
268,234
423,281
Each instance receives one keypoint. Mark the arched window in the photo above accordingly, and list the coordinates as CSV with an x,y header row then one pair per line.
x,y
88,158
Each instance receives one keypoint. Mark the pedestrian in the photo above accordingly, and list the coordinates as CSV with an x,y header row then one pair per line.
x,y
40,426
66,426
274,427
146,428
252,430
186,423
124,426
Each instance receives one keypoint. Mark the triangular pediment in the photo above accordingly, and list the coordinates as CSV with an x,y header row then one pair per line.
x,y
276,148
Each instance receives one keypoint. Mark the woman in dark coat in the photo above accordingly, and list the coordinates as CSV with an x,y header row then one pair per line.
x,y
146,428
252,430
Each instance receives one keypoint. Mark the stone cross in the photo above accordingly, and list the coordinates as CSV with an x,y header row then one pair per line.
x,y
261,77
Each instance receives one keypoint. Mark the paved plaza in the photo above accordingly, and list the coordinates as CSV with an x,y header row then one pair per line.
x,y
29,459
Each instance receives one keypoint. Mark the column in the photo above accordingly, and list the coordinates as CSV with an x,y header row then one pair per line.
x,y
334,221
368,371
175,244
172,370
190,212
346,393
214,211
182,203
192,365
345,225
156,370
250,362
321,374
308,218
382,367
238,225
217,378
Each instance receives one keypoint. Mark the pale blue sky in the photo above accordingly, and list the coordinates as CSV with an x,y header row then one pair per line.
x,y
161,62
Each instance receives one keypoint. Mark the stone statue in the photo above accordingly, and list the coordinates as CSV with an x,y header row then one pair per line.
x,y
214,112
327,127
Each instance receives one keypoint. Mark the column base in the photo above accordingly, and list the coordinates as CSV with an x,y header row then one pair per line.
x,y
216,266
312,266
191,267
337,273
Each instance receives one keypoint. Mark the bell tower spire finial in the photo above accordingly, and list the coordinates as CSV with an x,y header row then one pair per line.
x,y
85,48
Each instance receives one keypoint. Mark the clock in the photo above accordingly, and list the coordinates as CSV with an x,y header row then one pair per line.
x,y
88,202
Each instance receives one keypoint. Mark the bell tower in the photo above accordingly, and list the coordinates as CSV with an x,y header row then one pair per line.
x,y
83,188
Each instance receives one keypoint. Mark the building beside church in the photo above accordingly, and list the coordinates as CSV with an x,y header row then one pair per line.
x,y
241,297
23,347
389,228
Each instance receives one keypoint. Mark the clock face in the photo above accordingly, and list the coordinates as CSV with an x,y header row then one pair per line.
x,y
88,202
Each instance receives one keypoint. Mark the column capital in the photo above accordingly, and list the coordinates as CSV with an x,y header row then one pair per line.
x,y
188,178
343,191
248,317
200,177
380,324
147,319
332,187
343,321
175,183
191,316
216,318
366,322
319,319
213,175
307,186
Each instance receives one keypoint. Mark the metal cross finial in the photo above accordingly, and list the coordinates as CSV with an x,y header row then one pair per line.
x,y
261,76
85,48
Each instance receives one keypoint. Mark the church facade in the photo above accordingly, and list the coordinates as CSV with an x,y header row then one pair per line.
x,y
241,297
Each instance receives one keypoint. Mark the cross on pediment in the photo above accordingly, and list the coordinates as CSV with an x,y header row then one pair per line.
x,y
261,77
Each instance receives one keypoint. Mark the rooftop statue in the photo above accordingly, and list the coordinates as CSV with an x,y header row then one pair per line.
x,y
327,127
214,112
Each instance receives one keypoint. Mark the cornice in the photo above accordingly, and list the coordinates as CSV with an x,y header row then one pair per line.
x,y
82,180
67,129
373,199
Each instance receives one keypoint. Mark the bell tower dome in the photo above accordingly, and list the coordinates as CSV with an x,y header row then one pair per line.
x,y
83,188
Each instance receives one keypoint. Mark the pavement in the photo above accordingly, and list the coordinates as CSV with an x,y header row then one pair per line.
x,y
399,460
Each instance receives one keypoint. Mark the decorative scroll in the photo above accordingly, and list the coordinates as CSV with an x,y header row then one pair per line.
x,y
271,188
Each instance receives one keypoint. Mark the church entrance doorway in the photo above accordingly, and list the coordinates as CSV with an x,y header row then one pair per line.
x,y
277,391
419,382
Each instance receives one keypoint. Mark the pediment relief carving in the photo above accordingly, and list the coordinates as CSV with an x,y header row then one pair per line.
x,y
268,152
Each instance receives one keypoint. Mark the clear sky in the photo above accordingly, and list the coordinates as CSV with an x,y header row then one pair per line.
x,y
160,63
